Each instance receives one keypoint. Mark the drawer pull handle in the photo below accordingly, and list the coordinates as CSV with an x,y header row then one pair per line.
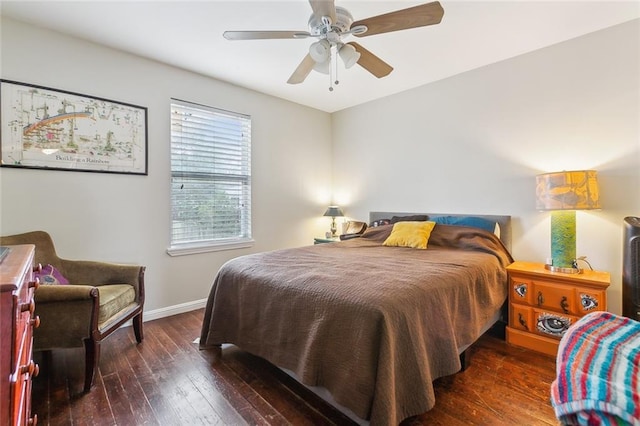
x,y
31,306
33,421
32,369
522,321
37,268
35,322
540,298
564,304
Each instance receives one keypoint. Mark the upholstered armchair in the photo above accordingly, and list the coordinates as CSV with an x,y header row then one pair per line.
x,y
99,298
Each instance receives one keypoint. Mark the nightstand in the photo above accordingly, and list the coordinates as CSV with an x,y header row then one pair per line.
x,y
322,240
543,304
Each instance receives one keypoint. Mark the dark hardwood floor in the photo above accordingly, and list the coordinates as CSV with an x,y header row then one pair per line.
x,y
167,380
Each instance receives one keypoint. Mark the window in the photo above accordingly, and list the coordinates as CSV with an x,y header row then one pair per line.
x,y
210,179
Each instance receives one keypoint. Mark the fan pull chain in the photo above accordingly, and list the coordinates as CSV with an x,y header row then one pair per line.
x,y
333,67
335,64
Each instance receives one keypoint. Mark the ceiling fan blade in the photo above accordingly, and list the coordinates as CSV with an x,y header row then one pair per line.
x,y
260,35
371,62
413,17
302,71
324,8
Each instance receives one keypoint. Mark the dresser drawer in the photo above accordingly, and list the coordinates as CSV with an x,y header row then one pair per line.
x,y
23,331
17,321
588,300
520,290
544,304
521,317
552,324
554,296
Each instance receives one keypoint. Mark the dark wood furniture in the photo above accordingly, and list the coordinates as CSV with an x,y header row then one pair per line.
x,y
17,321
543,304
99,298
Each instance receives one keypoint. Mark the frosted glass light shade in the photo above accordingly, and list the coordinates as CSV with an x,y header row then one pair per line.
x,y
320,51
323,67
349,55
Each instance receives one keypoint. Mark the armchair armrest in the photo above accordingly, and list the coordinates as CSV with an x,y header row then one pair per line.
x,y
64,293
100,273
69,313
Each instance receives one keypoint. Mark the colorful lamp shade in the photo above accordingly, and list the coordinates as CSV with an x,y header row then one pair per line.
x,y
563,193
333,211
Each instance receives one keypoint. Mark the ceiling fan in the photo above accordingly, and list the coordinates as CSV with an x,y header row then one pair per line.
x,y
330,23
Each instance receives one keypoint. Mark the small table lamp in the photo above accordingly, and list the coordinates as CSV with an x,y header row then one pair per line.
x,y
563,193
333,211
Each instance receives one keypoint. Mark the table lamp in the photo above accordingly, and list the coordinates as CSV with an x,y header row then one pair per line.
x,y
563,193
333,211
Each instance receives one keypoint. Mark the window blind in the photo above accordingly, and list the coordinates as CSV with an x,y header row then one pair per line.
x,y
210,176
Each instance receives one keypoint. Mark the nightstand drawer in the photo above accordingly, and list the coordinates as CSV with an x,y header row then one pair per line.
x,y
559,298
552,324
588,300
521,290
521,317
544,304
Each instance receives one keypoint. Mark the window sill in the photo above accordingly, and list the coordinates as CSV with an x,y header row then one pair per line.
x,y
208,247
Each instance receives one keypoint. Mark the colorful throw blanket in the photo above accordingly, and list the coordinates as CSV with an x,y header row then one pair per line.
x,y
598,372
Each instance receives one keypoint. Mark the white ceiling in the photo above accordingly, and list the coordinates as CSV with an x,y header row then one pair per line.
x,y
188,34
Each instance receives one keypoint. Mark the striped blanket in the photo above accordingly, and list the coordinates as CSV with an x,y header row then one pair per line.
x,y
598,372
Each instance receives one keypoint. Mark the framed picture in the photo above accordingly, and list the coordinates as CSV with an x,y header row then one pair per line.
x,y
44,128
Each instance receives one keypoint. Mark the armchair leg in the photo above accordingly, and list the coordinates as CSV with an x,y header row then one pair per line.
x,y
92,358
137,327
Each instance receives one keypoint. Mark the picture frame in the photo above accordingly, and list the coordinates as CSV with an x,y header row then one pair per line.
x,y
45,128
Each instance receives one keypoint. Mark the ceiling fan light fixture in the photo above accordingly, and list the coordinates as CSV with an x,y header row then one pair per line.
x,y
322,67
349,55
320,50
329,24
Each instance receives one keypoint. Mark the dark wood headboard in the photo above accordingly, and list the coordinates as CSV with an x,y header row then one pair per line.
x,y
503,221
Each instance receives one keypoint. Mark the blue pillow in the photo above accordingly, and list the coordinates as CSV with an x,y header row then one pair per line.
x,y
475,222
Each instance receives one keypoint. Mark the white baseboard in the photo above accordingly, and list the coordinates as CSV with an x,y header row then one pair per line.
x,y
173,310
170,310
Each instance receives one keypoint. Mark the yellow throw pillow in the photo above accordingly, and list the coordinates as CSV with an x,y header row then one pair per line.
x,y
410,234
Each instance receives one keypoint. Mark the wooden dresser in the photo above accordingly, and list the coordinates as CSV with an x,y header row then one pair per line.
x,y
17,287
543,304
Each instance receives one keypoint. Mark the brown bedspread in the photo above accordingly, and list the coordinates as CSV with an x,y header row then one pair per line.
x,y
374,325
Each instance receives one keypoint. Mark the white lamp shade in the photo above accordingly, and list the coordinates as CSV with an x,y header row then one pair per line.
x,y
322,67
349,55
320,51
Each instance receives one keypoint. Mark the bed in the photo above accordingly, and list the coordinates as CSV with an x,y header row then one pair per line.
x,y
373,325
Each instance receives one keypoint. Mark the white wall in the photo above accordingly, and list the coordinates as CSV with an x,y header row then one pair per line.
x,y
473,143
469,144
126,218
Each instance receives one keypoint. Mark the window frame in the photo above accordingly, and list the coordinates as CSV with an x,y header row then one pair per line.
x,y
215,244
